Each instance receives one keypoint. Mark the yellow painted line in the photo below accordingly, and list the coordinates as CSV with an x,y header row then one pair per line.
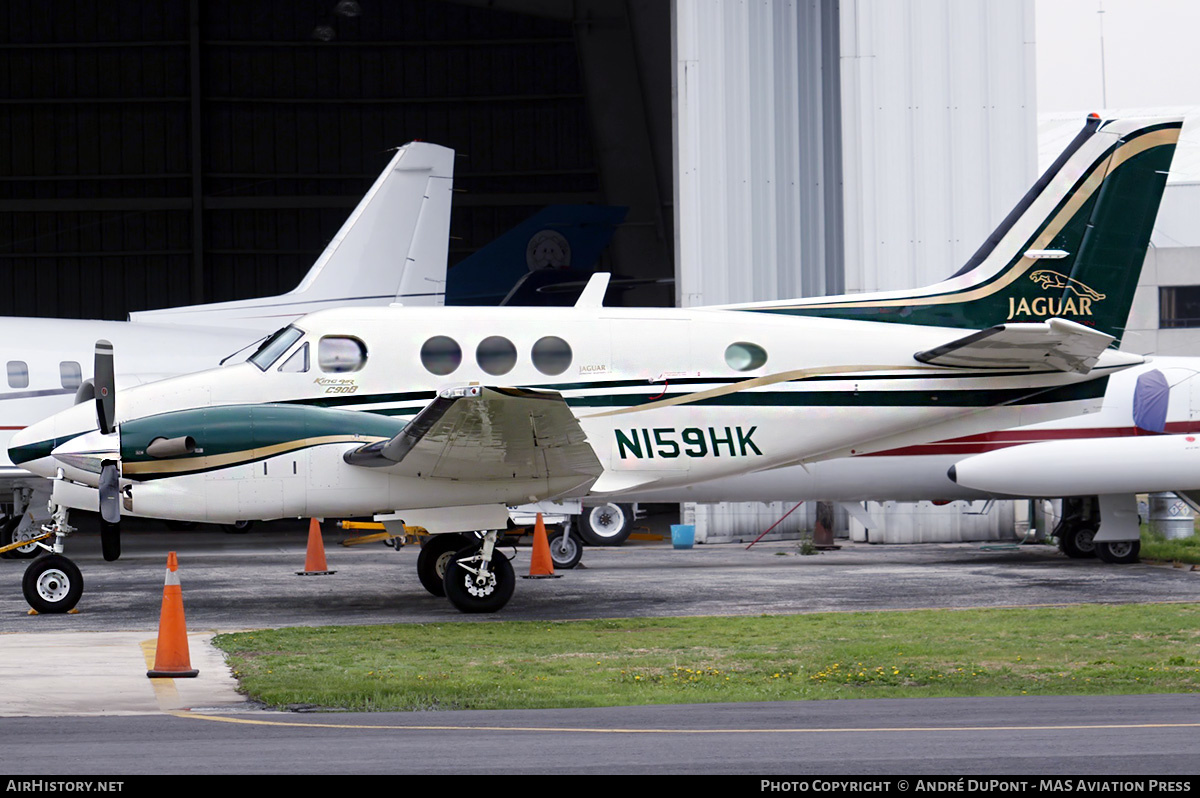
x,y
604,730
164,688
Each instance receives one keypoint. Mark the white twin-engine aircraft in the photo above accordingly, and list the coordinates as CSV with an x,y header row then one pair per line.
x,y
443,416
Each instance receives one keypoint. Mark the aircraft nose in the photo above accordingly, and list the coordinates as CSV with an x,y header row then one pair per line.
x,y
32,448
83,456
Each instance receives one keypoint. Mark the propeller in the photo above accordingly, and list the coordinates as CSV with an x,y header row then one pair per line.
x,y
110,472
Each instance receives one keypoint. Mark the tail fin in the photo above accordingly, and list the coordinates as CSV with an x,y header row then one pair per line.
x,y
563,241
1073,247
392,248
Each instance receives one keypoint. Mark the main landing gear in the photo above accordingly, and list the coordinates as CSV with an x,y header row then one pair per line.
x,y
1076,534
466,570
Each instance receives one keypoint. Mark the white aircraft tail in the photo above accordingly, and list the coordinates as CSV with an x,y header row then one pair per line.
x,y
393,248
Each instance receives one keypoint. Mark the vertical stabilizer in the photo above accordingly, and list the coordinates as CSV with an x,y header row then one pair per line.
x,y
1073,248
392,248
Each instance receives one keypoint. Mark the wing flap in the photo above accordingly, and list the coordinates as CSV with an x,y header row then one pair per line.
x,y
1052,345
484,433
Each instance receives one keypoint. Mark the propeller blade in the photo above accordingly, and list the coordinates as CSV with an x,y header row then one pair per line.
x,y
110,510
106,388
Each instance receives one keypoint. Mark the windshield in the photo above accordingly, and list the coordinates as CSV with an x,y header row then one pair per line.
x,y
275,346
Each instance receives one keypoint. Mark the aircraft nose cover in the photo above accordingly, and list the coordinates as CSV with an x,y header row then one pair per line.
x,y
1150,399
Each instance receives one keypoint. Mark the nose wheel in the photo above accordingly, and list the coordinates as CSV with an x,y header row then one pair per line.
x,y
52,584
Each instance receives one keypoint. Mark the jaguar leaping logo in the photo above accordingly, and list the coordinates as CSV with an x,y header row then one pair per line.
x,y
1075,300
1047,279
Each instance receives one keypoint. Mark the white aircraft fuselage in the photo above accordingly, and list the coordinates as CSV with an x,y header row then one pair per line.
x,y
652,390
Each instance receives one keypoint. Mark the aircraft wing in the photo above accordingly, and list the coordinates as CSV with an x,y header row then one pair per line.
x,y
482,433
1052,345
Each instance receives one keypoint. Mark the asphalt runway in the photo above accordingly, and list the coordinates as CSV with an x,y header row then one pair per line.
x,y
87,670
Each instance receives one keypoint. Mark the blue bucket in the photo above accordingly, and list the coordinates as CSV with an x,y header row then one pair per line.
x,y
683,535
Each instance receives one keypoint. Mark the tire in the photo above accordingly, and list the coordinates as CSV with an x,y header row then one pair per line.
x,y
1076,542
468,597
606,524
1119,552
436,553
565,550
237,528
52,584
10,535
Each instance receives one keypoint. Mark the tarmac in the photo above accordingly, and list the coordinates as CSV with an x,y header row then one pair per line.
x,y
94,662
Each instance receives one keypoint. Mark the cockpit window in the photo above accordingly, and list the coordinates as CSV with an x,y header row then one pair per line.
x,y
339,353
274,347
298,362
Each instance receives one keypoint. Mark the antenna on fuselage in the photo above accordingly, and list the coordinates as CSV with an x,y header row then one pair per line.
x,y
594,291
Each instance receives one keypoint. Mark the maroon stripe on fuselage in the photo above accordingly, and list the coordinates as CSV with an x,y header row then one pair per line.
x,y
1002,439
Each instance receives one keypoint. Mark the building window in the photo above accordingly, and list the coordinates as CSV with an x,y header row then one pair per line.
x,y
441,355
1178,306
496,355
18,374
551,355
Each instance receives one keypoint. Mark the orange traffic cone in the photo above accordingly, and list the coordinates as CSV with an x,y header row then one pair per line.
x,y
171,658
314,563
541,565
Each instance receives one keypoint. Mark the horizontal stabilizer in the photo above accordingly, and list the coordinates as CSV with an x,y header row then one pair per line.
x,y
478,433
1052,345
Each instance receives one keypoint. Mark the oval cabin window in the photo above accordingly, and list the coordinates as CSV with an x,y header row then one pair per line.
x,y
341,353
744,356
441,355
551,355
496,355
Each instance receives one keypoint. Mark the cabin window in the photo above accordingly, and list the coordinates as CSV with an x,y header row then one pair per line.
x,y
496,355
273,348
298,362
70,375
551,355
441,355
341,353
18,374
743,356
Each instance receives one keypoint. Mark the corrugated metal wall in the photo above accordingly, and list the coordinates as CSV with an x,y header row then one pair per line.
x,y
157,153
757,173
939,132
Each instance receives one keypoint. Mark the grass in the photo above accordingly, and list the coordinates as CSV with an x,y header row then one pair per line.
x,y
1088,649
1157,547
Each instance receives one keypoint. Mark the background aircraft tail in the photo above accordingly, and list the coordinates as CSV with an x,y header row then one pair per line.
x,y
1073,247
560,244
392,248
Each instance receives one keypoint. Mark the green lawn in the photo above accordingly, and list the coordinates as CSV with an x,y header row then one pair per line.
x,y
1157,547
1090,649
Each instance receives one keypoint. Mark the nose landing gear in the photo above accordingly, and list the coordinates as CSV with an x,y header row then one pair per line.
x,y
53,584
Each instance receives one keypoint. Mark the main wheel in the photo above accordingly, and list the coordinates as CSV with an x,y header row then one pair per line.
x,y
436,553
467,593
565,550
606,524
52,584
237,528
1076,541
12,534
1119,552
